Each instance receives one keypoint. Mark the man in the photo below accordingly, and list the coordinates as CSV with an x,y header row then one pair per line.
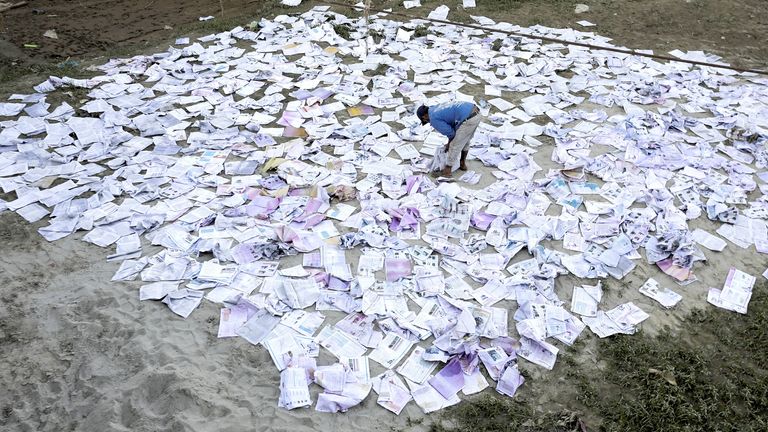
x,y
458,121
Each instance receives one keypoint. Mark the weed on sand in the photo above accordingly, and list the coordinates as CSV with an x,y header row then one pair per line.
x,y
495,414
708,375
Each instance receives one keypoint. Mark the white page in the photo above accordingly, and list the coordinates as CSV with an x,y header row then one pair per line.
x,y
294,388
391,350
415,368
708,240
258,326
339,343
664,296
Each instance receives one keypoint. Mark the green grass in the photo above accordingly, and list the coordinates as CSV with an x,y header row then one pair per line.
x,y
232,17
709,375
420,31
343,30
377,35
491,413
381,69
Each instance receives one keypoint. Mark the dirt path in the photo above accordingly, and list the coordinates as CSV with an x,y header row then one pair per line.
x,y
734,29
90,28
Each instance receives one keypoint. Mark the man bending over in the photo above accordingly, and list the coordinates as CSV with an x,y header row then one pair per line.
x,y
458,121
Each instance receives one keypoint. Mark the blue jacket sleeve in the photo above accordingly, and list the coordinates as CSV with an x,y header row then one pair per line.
x,y
443,127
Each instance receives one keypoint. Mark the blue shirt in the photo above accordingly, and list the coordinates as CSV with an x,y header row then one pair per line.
x,y
447,117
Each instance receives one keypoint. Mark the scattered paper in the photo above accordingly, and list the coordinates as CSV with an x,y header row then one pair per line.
x,y
665,296
278,171
735,294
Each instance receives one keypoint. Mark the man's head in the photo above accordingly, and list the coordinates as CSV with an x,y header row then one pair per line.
x,y
423,114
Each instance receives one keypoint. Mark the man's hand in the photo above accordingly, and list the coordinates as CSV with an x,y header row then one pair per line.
x,y
447,146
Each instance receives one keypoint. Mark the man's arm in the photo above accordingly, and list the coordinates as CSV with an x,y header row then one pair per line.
x,y
444,128
447,145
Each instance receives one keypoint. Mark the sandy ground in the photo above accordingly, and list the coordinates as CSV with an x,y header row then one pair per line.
x,y
82,353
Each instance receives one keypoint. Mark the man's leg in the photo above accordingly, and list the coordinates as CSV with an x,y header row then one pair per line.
x,y
457,152
451,156
463,137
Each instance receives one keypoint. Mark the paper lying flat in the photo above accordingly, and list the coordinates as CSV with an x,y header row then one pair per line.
x,y
256,161
341,211
664,296
231,319
294,388
510,381
415,368
393,393
586,299
157,290
339,343
359,368
708,240
538,352
391,350
450,379
440,13
623,319
182,302
474,383
736,292
429,399
256,329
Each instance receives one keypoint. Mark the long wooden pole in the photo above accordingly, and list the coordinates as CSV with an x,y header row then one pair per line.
x,y
12,6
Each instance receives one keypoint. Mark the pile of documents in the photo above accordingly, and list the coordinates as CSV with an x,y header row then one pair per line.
x,y
281,173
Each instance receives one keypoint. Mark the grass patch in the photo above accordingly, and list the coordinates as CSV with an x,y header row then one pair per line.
x,y
381,69
709,375
377,35
343,30
705,377
233,18
420,31
492,413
